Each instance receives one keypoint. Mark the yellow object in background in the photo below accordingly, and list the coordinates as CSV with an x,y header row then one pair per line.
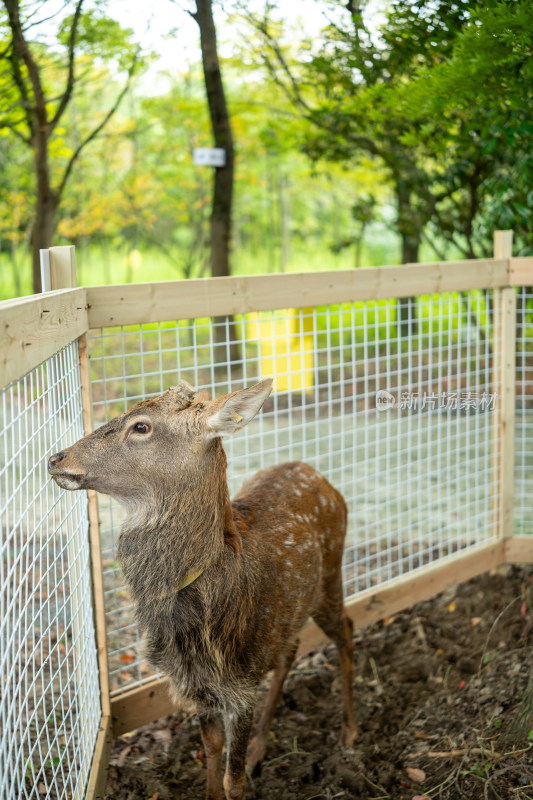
x,y
286,347
133,259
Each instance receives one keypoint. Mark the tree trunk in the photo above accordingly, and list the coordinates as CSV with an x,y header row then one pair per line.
x,y
271,235
220,124
45,210
410,236
285,218
223,176
25,71
406,320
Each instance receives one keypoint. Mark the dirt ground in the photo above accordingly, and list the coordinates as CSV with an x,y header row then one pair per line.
x,y
437,688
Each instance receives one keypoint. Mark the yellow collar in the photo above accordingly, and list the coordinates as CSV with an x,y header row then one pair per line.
x,y
191,576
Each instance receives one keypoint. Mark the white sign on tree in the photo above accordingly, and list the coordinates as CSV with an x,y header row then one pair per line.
x,y
209,156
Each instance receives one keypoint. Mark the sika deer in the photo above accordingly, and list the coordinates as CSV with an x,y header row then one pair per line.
x,y
221,588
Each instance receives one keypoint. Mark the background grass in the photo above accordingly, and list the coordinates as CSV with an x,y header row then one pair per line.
x,y
106,263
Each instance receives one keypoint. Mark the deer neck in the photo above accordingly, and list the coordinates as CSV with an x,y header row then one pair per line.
x,y
168,541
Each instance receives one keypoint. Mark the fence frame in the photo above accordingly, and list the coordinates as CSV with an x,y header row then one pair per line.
x,y
59,272
34,328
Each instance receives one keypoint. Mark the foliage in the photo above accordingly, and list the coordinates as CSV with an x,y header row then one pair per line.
x,y
479,102
422,127
41,79
409,96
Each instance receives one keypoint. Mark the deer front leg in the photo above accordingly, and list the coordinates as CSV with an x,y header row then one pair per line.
x,y
213,739
238,727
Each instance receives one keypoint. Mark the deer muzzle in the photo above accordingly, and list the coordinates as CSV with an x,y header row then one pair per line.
x,y
64,476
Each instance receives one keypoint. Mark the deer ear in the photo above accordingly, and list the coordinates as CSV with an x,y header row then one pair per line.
x,y
237,409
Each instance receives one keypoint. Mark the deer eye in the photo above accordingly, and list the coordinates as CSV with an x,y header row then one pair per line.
x,y
141,427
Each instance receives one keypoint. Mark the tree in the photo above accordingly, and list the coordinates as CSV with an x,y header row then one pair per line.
x,y
346,90
223,177
348,87
222,135
175,124
40,85
483,97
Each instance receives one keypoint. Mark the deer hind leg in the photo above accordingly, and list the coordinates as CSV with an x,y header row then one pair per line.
x,y
335,624
257,748
213,738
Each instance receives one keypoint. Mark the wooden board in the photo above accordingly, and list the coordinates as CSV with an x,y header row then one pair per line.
x,y
132,303
99,766
97,579
138,706
402,593
147,703
507,403
63,267
503,244
521,271
34,328
504,369
519,550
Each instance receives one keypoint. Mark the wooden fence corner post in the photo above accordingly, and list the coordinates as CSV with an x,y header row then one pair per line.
x,y
63,276
63,267
504,381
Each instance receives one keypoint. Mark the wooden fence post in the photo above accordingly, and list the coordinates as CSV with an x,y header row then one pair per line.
x,y
63,267
504,380
63,276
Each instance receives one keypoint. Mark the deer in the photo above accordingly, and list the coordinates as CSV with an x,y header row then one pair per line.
x,y
221,588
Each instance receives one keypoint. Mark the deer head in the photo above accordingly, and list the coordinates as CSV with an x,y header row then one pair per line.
x,y
158,445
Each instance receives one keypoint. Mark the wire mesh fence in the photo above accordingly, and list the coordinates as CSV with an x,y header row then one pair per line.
x,y
523,522
396,402
50,701
400,414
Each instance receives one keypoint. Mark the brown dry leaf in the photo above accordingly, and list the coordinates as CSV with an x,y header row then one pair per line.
x,y
154,796
127,658
41,788
416,775
475,621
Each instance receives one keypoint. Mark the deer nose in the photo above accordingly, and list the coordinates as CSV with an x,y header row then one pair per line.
x,y
55,459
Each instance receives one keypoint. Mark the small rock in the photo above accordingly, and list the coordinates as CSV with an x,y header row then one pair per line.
x,y
416,775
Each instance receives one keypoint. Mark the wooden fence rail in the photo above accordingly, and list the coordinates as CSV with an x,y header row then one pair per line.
x,y
132,303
